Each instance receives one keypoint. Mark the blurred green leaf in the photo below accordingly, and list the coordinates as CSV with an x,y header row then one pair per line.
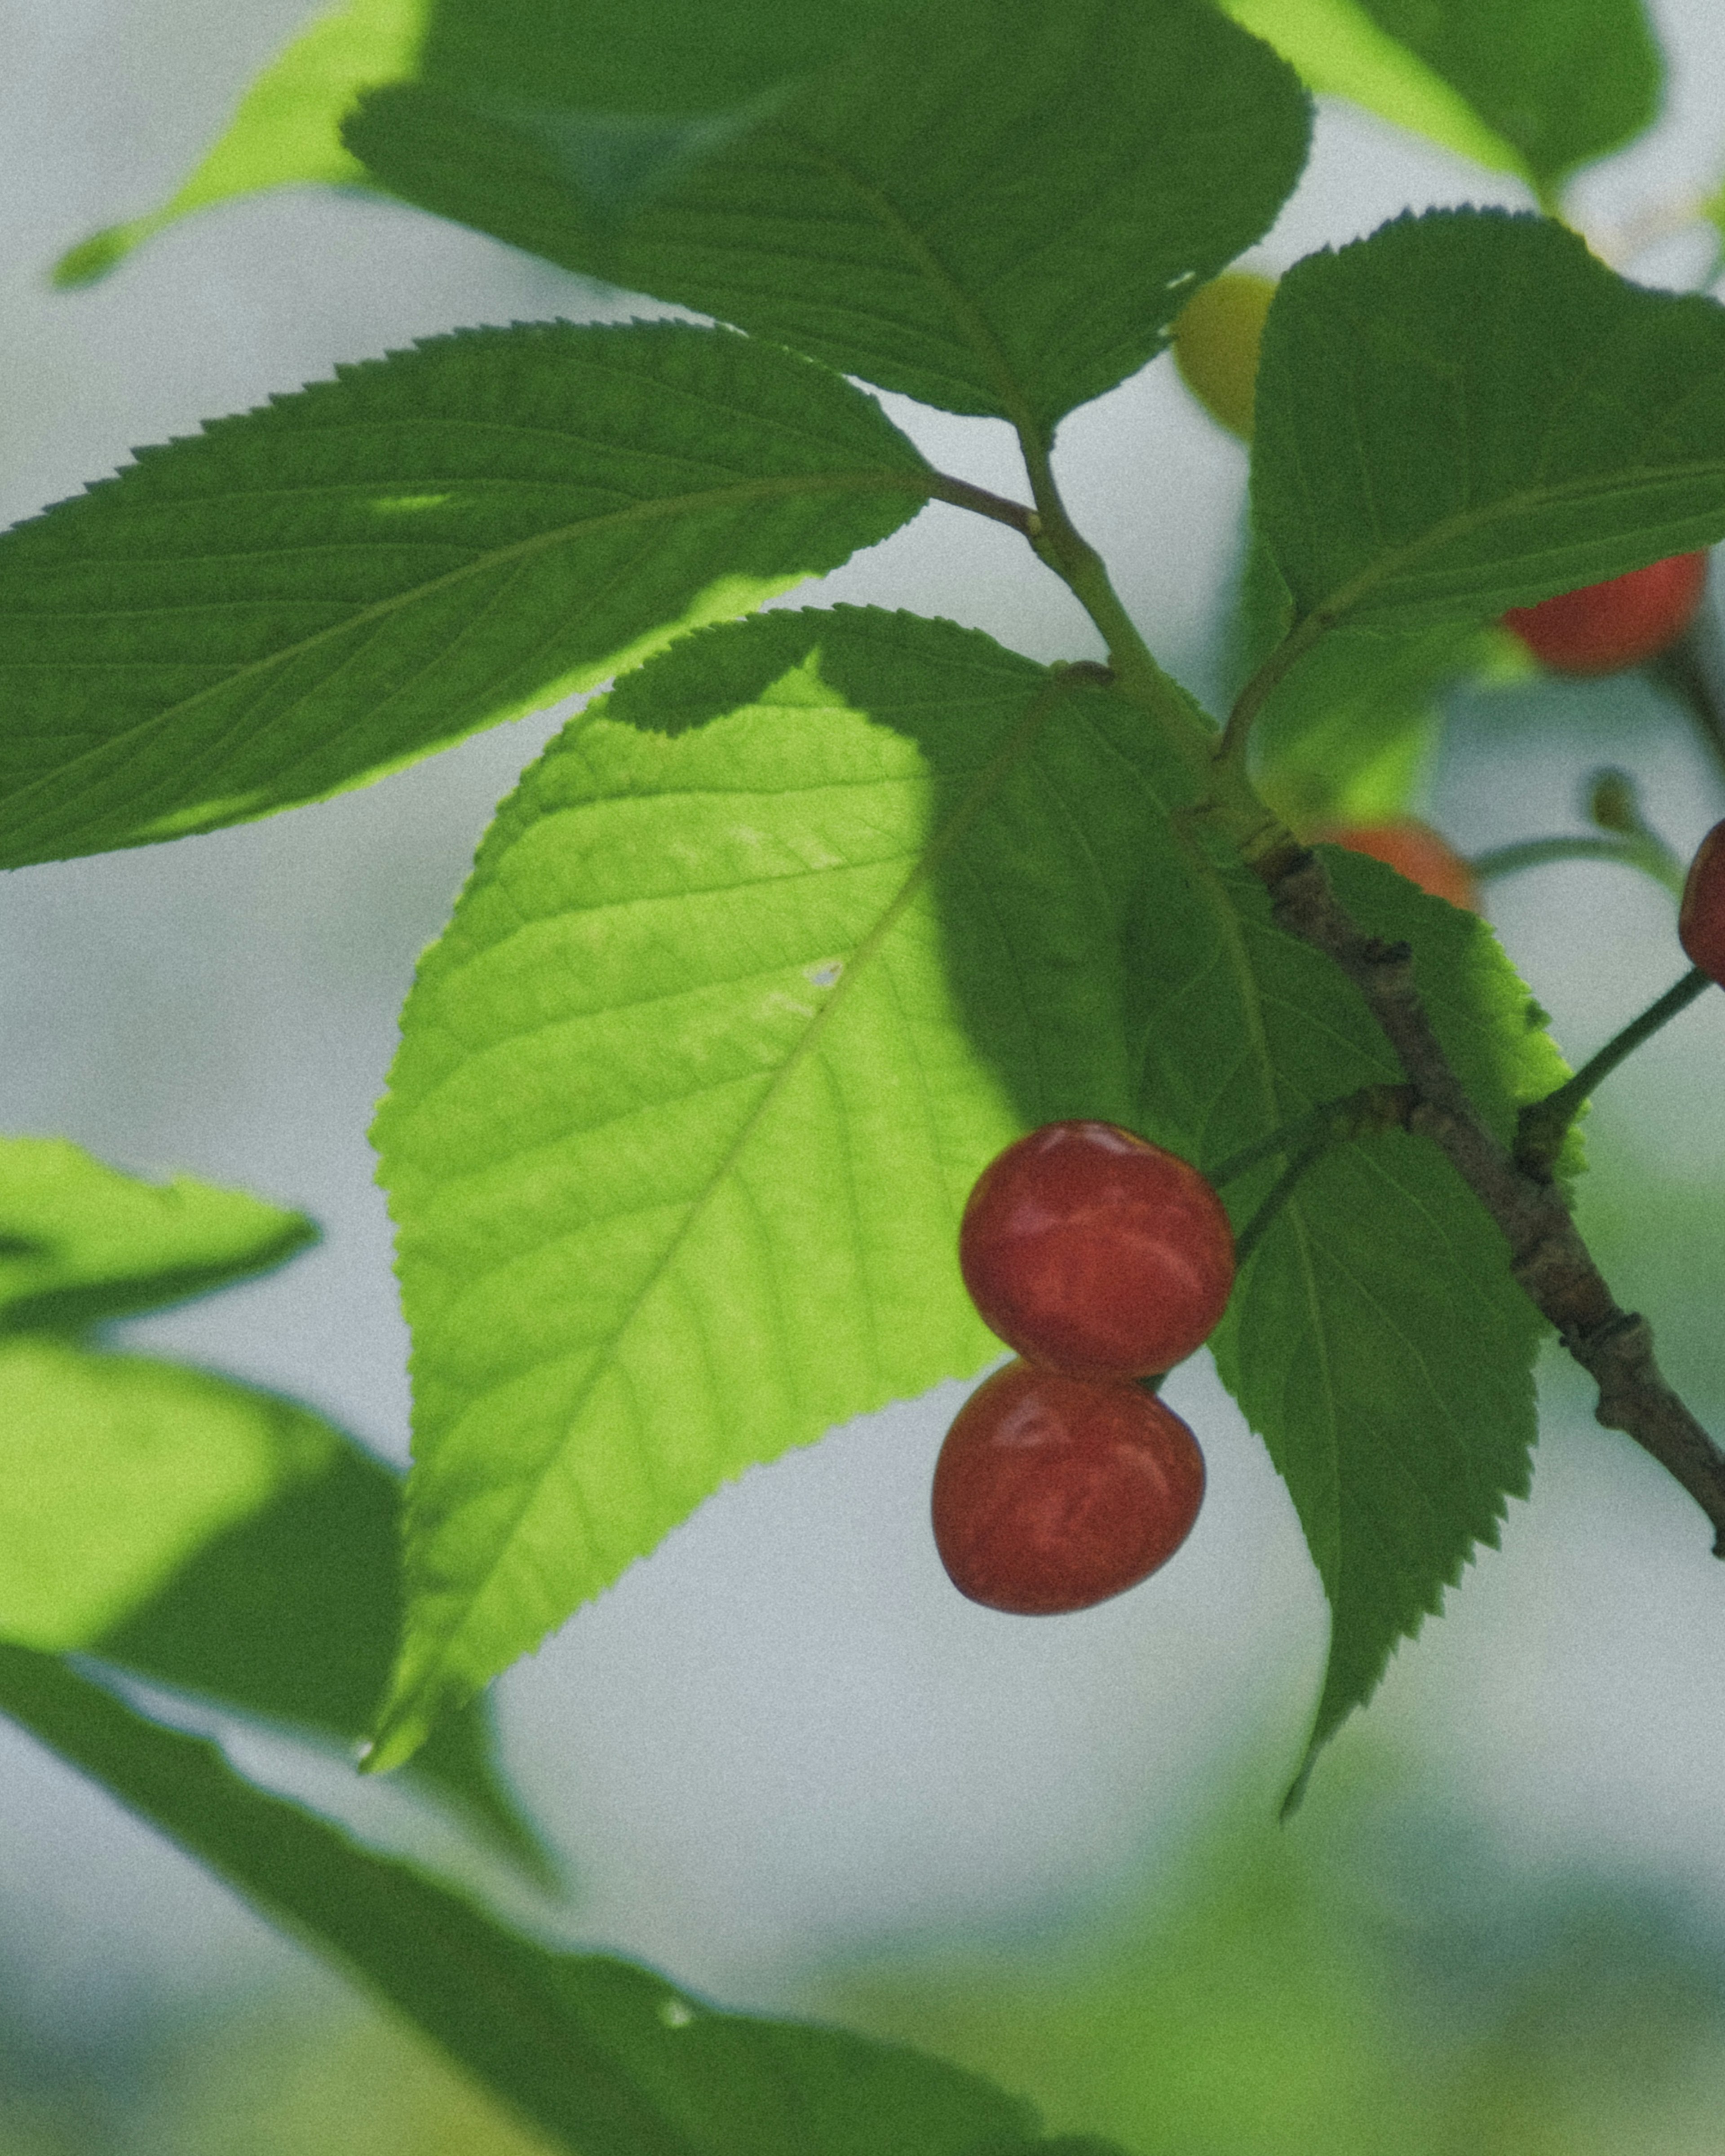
x,y
303,598
608,2059
284,130
1468,412
80,1241
1536,87
115,1469
880,212
210,1536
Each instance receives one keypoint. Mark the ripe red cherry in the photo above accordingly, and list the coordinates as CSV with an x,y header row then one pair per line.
x,y
1052,1493
1093,1251
1701,917
1421,855
1603,627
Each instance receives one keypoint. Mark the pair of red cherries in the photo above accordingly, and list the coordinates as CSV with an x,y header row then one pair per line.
x,y
1103,1260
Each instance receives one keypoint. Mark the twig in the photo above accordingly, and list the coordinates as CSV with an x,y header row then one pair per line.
x,y
1548,1256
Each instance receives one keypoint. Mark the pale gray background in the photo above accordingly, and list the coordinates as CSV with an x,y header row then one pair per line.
x,y
783,1732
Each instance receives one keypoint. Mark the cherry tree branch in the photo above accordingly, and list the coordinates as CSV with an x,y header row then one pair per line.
x,y
1548,1256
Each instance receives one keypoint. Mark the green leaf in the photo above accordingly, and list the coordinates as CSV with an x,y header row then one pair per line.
x,y
1534,88
285,129
1565,80
1349,733
80,1242
115,1469
684,1112
606,2058
731,1013
302,598
1376,1338
994,206
1467,411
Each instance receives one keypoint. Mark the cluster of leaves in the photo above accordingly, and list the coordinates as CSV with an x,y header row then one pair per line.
x,y
789,933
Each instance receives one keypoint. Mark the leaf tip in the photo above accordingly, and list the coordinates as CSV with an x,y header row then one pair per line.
x,y
93,258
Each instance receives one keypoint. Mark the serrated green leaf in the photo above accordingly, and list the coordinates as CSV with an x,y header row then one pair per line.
x,y
607,2058
684,1112
692,1093
1468,412
1376,1339
80,1242
302,598
284,130
994,206
1535,89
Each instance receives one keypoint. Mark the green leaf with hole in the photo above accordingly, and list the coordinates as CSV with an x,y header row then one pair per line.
x,y
994,206
604,2057
286,129
81,1242
308,595
1535,89
1468,412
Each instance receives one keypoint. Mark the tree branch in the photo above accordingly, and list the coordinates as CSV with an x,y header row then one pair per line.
x,y
1548,1256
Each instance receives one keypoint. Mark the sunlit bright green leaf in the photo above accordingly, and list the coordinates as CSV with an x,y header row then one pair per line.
x,y
993,205
80,1241
1468,412
604,2057
303,598
284,130
692,1091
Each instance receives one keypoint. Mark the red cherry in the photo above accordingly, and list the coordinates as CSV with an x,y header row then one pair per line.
x,y
1701,917
1420,853
1093,1251
1604,627
1052,1493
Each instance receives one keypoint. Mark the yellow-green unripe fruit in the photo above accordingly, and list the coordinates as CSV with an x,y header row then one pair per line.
x,y
1216,339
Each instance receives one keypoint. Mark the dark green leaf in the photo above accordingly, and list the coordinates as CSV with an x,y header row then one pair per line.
x,y
1375,1338
80,1242
1564,80
1468,412
607,2058
993,205
303,598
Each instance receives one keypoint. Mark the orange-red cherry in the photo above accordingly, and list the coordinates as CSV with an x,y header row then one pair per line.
x,y
1422,856
1052,1493
1604,627
1092,1251
1701,917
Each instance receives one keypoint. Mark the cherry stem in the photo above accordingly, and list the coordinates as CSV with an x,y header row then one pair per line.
x,y
1650,855
1542,1125
1371,1108
1689,668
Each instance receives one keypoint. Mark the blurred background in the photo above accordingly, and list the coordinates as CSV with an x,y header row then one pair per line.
x,y
781,1758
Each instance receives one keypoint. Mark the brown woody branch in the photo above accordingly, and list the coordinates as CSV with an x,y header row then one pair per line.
x,y
1548,1256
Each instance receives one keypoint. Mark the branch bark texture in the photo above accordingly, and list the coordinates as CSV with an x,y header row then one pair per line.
x,y
1548,1256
